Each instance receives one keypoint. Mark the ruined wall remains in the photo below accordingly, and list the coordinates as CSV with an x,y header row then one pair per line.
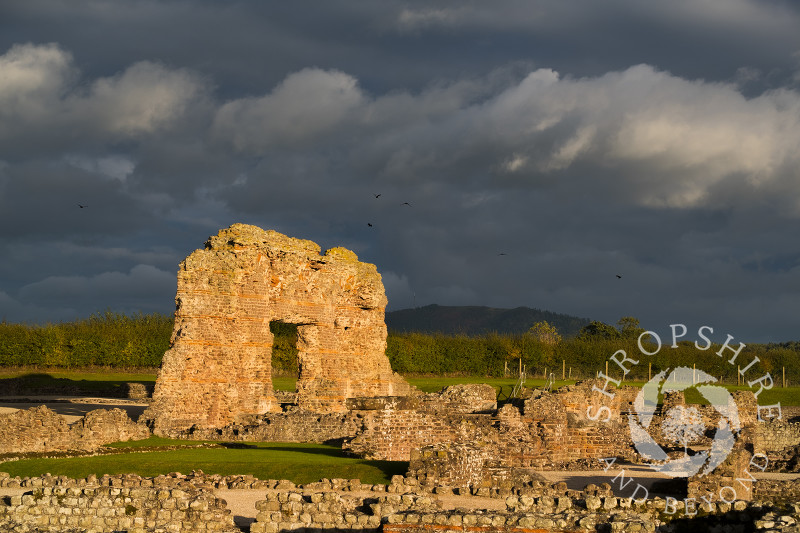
x,y
218,368
774,436
552,428
40,429
388,427
109,509
394,428
184,503
730,480
299,511
293,425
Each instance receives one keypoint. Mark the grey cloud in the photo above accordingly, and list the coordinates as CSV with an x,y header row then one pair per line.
x,y
140,287
690,135
42,100
581,139
306,104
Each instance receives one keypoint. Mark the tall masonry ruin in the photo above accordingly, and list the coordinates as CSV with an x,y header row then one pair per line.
x,y
218,369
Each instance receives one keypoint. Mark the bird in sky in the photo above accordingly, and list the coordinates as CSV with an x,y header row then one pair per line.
x,y
82,206
619,277
369,224
502,253
377,195
406,203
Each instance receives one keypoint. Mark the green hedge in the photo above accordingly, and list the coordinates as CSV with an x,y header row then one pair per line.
x,y
109,339
139,341
414,353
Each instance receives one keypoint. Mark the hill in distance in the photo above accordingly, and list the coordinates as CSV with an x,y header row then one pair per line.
x,y
478,320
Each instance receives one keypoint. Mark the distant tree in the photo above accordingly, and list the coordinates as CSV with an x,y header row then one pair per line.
x,y
545,333
598,330
629,327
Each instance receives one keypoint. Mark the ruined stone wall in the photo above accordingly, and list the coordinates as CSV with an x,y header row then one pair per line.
x,y
462,465
184,503
772,490
291,426
560,420
552,429
109,509
729,481
299,511
773,436
218,367
393,428
40,429
388,427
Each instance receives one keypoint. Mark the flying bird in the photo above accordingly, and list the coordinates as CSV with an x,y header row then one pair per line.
x,y
619,277
82,206
368,224
502,253
406,203
377,196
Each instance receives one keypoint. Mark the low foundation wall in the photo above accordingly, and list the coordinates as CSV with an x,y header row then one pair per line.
x,y
40,429
774,436
184,503
299,512
290,426
110,509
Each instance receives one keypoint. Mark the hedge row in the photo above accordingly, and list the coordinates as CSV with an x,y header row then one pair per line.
x,y
109,339
139,341
491,355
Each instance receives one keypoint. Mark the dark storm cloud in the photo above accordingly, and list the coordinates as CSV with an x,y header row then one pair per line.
x,y
544,147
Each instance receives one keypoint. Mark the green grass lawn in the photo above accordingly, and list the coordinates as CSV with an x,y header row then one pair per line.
x,y
300,463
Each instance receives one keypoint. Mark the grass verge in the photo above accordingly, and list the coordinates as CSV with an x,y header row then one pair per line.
x,y
300,463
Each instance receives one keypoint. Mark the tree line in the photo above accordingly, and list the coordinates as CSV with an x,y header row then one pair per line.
x,y
139,341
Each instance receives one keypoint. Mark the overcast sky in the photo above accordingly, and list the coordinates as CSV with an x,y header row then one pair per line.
x,y
545,148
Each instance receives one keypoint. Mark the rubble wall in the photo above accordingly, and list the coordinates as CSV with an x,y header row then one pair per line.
x,y
110,509
40,429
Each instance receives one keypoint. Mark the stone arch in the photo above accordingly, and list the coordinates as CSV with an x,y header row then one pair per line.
x,y
218,368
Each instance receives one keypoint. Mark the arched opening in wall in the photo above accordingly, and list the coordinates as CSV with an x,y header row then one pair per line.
x,y
285,367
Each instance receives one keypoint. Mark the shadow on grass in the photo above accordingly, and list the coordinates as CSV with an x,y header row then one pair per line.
x,y
47,384
389,468
328,452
